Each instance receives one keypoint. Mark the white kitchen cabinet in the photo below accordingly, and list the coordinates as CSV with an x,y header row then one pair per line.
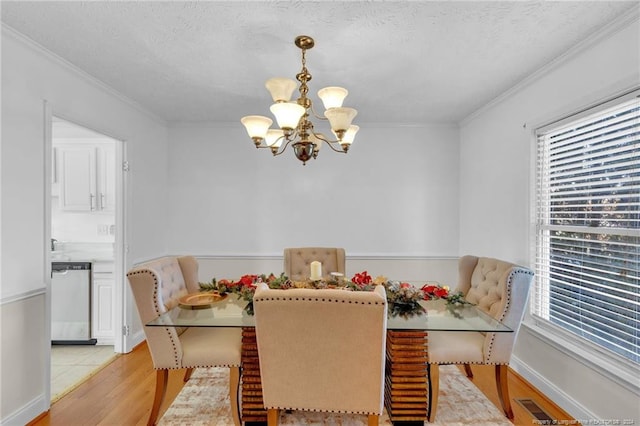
x,y
86,176
106,177
77,177
102,303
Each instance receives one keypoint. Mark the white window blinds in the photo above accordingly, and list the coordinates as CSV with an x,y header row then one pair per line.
x,y
588,228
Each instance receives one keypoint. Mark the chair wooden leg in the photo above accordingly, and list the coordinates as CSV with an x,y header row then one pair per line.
x,y
433,373
162,378
273,415
373,419
234,389
187,374
467,370
503,389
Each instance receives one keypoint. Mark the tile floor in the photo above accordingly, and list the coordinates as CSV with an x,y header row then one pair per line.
x,y
71,365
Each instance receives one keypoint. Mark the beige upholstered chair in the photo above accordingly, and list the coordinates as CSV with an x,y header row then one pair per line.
x,y
321,350
501,289
297,261
157,287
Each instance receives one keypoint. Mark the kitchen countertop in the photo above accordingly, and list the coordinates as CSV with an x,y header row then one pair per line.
x,y
81,256
83,252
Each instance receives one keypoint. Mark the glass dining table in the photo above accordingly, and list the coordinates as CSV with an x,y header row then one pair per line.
x,y
407,373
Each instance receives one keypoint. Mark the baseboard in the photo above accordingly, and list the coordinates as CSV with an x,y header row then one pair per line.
x,y
134,341
555,395
27,413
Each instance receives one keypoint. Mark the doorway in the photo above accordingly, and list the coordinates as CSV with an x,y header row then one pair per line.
x,y
86,228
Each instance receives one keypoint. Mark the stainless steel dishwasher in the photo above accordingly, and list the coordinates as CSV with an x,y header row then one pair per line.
x,y
71,303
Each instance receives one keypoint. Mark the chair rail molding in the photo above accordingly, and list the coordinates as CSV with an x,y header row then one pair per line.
x,y
411,268
6,299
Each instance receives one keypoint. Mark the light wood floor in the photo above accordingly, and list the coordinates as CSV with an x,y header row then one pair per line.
x,y
72,364
122,392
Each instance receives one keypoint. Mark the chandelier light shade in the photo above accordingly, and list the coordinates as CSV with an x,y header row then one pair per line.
x,y
274,138
281,89
340,119
294,117
257,127
332,97
287,115
350,134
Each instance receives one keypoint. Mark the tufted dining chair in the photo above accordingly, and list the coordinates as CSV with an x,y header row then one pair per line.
x,y
501,289
157,287
321,350
297,261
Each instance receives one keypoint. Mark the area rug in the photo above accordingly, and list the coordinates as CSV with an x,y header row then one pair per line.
x,y
204,401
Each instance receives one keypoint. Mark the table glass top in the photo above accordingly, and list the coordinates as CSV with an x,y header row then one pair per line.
x,y
438,316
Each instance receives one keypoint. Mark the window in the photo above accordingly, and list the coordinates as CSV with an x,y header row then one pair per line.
x,y
588,227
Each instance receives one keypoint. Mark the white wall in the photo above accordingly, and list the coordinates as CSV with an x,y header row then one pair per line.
x,y
29,77
394,194
393,199
495,187
392,202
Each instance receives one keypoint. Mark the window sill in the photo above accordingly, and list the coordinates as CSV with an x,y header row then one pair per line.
x,y
621,371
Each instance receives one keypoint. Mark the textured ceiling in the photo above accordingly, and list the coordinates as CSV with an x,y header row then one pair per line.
x,y
403,62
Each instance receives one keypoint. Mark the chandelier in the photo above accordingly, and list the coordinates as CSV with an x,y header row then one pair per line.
x,y
296,128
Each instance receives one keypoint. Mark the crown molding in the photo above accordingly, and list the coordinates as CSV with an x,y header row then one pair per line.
x,y
10,32
603,33
370,125
354,256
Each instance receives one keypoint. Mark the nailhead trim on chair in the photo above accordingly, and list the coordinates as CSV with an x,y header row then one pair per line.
x,y
504,311
315,299
173,342
321,411
200,366
493,335
157,309
470,363
506,308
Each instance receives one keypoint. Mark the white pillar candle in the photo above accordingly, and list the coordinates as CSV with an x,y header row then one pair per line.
x,y
316,271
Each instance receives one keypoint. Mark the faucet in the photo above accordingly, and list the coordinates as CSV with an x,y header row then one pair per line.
x,y
53,244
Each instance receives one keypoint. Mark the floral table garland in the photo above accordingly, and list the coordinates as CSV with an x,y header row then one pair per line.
x,y
402,298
